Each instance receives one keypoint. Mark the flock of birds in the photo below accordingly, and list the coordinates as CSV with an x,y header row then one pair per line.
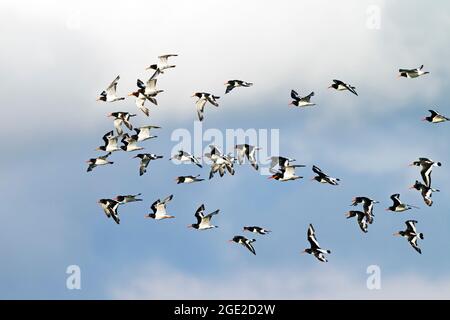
x,y
282,168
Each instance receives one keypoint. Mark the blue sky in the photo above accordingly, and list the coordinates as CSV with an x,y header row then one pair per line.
x,y
60,56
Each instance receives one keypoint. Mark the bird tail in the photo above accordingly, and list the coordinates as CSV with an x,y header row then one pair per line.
x,y
421,235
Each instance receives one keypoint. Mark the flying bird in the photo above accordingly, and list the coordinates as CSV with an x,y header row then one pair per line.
x,y
184,156
411,234
188,179
203,221
301,101
367,206
162,64
315,249
203,98
398,206
425,191
129,143
110,95
220,163
231,84
110,143
140,102
256,229
341,86
120,118
159,209
435,117
245,242
145,160
279,161
361,218
246,150
324,178
110,206
287,173
147,90
412,73
143,133
426,169
122,199
99,161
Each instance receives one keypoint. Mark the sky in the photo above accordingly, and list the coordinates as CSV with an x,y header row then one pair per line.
x,y
58,56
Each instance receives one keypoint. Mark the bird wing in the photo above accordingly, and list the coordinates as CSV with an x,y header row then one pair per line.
x,y
199,213
200,105
312,238
111,90
308,97
396,199
433,113
209,216
426,173
167,199
249,246
106,137
319,172
151,84
240,152
294,95
229,87
154,206
411,226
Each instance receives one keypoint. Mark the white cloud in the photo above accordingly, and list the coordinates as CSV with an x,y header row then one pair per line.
x,y
156,281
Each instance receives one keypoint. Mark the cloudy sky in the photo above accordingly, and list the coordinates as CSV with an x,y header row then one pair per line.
x,y
57,56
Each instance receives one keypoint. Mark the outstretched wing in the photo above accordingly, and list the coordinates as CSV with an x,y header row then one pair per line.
x,y
312,238
396,199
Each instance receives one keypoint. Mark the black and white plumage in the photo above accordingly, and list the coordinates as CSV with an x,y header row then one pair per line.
x,y
425,191
315,249
184,156
367,206
280,162
110,94
256,229
324,178
287,173
130,143
248,151
412,73
122,199
411,234
435,117
203,98
140,102
301,101
163,64
188,179
120,118
99,161
245,242
145,160
231,84
426,169
361,218
110,142
110,206
159,209
203,221
220,163
398,206
143,133
341,86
